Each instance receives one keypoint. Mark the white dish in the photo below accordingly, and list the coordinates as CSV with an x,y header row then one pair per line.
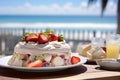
x,y
109,64
4,61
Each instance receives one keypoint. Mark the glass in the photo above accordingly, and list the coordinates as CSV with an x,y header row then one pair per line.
x,y
100,42
112,46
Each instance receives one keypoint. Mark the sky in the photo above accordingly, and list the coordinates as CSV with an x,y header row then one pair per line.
x,y
55,7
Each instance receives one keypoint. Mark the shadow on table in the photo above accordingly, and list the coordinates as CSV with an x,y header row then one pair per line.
x,y
42,75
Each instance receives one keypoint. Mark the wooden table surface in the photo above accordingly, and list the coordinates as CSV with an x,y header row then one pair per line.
x,y
86,71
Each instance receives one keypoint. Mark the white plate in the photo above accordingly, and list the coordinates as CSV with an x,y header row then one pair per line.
x,y
110,64
4,61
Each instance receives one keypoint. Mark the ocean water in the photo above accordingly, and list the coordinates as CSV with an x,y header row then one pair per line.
x,y
58,19
73,22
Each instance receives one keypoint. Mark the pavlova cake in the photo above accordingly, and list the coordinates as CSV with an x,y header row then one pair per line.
x,y
44,49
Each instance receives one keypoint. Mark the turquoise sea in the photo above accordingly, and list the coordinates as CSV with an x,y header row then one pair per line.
x,y
59,21
56,19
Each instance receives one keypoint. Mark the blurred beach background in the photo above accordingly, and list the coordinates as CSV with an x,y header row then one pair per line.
x,y
75,19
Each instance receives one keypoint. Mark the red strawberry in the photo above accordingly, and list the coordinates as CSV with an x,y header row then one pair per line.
x,y
37,63
32,37
42,39
75,60
53,37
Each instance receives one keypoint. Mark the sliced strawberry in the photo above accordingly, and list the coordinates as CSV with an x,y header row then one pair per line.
x,y
52,37
55,38
32,37
75,60
42,39
49,39
37,63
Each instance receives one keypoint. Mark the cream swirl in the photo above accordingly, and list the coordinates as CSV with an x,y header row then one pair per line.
x,y
37,49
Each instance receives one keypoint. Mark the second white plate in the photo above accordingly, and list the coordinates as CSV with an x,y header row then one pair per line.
x,y
109,64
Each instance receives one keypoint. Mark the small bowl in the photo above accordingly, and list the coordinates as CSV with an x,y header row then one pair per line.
x,y
109,64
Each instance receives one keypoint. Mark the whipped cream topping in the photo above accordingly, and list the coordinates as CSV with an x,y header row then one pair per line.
x,y
37,49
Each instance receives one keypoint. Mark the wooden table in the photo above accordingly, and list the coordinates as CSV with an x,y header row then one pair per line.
x,y
86,71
